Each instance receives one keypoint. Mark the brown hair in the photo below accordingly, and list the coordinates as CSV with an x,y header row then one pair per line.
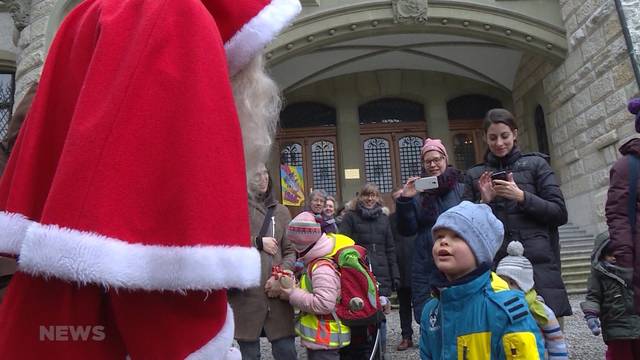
x,y
499,116
370,188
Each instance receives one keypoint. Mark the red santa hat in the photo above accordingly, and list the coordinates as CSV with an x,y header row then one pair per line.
x,y
156,203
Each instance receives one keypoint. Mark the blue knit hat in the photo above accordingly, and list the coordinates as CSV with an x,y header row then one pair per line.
x,y
476,224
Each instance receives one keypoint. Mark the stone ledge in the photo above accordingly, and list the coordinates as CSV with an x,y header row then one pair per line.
x,y
605,140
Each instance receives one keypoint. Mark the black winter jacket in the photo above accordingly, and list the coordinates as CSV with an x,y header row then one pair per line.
x,y
610,298
375,235
534,222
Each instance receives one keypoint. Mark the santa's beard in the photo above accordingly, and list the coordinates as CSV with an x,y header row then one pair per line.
x,y
258,104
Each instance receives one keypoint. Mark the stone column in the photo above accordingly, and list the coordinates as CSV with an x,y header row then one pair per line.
x,y
437,117
349,143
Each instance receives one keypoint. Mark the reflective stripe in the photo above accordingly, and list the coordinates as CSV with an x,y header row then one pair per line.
x,y
309,333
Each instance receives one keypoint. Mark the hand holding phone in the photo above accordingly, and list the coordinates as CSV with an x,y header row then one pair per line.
x,y
427,183
499,175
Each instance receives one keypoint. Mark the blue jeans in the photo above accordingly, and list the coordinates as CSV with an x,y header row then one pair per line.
x,y
282,349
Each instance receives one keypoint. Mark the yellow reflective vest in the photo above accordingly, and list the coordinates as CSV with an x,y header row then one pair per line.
x,y
325,330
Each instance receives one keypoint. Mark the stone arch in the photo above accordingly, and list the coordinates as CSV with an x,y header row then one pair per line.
x,y
58,13
376,18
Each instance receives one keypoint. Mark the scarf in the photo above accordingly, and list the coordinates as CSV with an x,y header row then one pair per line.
x,y
536,307
446,182
369,214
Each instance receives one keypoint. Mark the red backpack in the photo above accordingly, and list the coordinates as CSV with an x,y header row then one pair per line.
x,y
359,301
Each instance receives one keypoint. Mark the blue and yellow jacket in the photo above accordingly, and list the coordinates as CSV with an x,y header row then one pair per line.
x,y
479,319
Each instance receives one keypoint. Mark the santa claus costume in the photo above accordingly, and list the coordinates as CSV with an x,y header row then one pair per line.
x,y
114,197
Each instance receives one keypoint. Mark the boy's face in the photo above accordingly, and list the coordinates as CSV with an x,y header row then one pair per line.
x,y
452,255
512,284
609,258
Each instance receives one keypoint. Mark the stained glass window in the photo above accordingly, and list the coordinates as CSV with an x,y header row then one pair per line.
x,y
323,162
291,154
410,162
377,163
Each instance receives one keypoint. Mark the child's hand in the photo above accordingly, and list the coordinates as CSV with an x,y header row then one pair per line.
x,y
285,293
594,325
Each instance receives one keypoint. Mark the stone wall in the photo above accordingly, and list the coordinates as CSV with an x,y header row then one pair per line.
x,y
587,115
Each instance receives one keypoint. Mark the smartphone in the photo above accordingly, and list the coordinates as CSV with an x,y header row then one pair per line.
x,y
499,175
427,183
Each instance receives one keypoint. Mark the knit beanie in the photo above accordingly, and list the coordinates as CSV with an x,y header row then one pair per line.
x,y
634,108
303,231
516,266
433,145
476,224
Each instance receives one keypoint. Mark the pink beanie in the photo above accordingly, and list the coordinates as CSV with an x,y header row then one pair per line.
x,y
433,145
303,231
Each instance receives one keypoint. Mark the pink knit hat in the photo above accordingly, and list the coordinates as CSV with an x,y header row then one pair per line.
x,y
303,231
433,145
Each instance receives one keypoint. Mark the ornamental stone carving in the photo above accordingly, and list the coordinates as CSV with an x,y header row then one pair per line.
x,y
20,11
410,11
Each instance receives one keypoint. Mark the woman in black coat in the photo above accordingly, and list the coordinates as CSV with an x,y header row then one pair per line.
x,y
369,227
528,201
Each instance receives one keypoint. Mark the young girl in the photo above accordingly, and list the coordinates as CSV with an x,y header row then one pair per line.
x,y
318,326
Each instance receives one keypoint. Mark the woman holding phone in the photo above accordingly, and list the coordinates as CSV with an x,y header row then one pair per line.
x,y
524,194
418,210
255,313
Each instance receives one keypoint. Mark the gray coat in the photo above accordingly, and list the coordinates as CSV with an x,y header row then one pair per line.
x,y
534,222
252,309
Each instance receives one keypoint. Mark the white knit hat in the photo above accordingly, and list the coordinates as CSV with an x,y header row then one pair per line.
x,y
516,266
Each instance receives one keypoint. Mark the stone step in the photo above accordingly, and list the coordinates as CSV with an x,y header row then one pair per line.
x,y
572,233
586,253
577,291
583,241
579,285
576,266
573,236
582,275
576,246
575,260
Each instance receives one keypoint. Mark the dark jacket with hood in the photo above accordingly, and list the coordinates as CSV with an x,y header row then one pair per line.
x,y
610,298
370,228
533,222
625,245
416,216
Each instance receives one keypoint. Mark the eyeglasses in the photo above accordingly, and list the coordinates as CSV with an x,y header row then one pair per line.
x,y
434,161
370,195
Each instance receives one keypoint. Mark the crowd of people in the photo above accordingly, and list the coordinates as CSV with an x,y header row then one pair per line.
x,y
104,240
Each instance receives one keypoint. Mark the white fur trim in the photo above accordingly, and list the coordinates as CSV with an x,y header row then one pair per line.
x,y
85,257
258,32
219,345
13,228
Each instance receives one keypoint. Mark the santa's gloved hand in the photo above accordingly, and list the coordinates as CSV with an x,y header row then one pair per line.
x,y
594,325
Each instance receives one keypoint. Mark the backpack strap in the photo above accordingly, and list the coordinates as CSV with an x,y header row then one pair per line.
x,y
634,165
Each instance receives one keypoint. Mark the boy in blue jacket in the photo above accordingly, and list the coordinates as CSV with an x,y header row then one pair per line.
x,y
473,314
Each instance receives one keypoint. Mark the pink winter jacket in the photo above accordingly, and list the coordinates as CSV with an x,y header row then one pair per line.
x,y
326,286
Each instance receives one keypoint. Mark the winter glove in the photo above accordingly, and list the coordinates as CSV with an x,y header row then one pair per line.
x,y
594,325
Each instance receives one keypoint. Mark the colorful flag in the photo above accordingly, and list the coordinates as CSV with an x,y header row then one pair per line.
x,y
292,185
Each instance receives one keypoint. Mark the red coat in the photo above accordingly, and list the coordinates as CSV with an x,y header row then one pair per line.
x,y
626,247
115,192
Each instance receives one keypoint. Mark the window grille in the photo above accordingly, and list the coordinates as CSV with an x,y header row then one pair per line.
x,y
377,163
323,162
410,159
464,151
291,154
307,114
389,111
6,102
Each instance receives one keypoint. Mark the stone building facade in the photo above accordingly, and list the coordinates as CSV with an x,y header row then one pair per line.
x,y
564,67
